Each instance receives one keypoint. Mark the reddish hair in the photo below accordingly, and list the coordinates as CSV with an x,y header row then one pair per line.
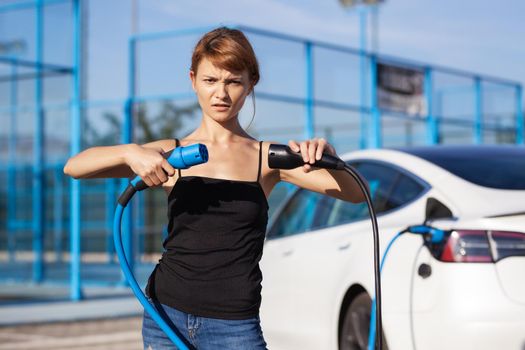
x,y
227,49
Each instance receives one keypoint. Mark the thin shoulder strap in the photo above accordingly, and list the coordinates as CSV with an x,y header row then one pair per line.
x,y
260,158
177,144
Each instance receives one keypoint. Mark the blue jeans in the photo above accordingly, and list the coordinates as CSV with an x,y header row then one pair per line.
x,y
202,333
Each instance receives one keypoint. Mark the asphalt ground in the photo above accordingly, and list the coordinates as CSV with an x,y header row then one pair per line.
x,y
104,334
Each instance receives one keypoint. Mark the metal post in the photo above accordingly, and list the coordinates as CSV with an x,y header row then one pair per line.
x,y
38,152
374,21
309,128
58,209
127,137
11,168
140,236
76,144
432,132
110,211
363,77
519,115
478,108
375,126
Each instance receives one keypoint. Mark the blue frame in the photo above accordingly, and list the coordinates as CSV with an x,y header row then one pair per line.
x,y
370,126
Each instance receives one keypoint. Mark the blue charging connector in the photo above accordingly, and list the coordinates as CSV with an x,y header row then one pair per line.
x,y
431,234
180,158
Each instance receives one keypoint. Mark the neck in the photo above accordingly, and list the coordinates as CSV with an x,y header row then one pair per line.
x,y
214,131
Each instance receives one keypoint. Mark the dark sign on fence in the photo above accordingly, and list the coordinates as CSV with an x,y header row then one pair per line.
x,y
401,89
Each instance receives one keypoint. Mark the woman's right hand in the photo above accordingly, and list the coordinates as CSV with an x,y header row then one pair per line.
x,y
149,164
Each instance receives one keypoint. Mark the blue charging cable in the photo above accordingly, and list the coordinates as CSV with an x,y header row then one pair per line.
x,y
279,157
434,235
179,158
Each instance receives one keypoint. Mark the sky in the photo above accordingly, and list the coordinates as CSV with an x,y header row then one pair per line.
x,y
482,36
473,35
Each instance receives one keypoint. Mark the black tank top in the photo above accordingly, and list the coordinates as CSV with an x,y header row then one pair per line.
x,y
216,231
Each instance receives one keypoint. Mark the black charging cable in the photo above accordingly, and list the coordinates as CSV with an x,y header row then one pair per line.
x,y
282,157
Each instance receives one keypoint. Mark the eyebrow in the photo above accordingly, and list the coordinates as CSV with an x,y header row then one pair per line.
x,y
214,77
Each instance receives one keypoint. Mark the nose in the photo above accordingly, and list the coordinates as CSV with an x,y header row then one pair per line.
x,y
221,92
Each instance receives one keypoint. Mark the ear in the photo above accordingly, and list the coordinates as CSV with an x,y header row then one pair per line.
x,y
250,90
193,79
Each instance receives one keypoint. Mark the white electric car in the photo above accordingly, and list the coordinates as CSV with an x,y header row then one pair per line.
x,y
467,292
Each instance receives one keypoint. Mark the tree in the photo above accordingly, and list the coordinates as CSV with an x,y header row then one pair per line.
x,y
166,123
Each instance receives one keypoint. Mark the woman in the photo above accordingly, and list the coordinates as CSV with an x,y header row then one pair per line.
x,y
208,281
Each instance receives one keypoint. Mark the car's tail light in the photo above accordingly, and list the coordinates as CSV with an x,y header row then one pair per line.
x,y
479,246
507,244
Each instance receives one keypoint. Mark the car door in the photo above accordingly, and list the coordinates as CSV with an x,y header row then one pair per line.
x,y
297,216
320,247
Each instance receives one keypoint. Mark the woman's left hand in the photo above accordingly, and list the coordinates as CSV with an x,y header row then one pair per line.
x,y
312,150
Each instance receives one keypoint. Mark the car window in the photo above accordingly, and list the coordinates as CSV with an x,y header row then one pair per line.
x,y
305,211
405,191
390,188
501,167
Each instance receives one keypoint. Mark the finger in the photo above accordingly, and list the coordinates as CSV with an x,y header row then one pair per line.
x,y
155,179
147,180
294,146
168,168
320,148
307,168
311,151
332,150
163,177
304,150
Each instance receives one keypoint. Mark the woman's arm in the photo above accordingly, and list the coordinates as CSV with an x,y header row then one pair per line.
x,y
335,183
123,161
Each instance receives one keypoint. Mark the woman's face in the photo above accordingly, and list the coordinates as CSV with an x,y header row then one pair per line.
x,y
221,93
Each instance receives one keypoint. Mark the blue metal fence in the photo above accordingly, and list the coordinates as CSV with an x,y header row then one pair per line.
x,y
309,88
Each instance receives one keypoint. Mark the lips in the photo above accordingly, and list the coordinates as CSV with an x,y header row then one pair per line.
x,y
220,107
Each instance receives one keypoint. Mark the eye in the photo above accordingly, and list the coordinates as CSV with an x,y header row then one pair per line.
x,y
235,82
209,80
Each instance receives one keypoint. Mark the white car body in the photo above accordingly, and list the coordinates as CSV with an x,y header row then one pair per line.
x,y
460,306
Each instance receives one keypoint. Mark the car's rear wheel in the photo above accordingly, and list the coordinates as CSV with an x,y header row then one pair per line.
x,y
356,321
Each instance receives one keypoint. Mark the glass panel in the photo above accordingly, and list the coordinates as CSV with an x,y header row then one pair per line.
x,y
102,125
4,139
275,121
403,131
454,96
339,127
456,133
163,65
18,40
282,66
499,104
165,119
337,76
57,89
57,135
499,136
108,50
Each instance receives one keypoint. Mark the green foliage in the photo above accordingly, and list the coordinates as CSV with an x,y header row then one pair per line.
x,y
167,122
